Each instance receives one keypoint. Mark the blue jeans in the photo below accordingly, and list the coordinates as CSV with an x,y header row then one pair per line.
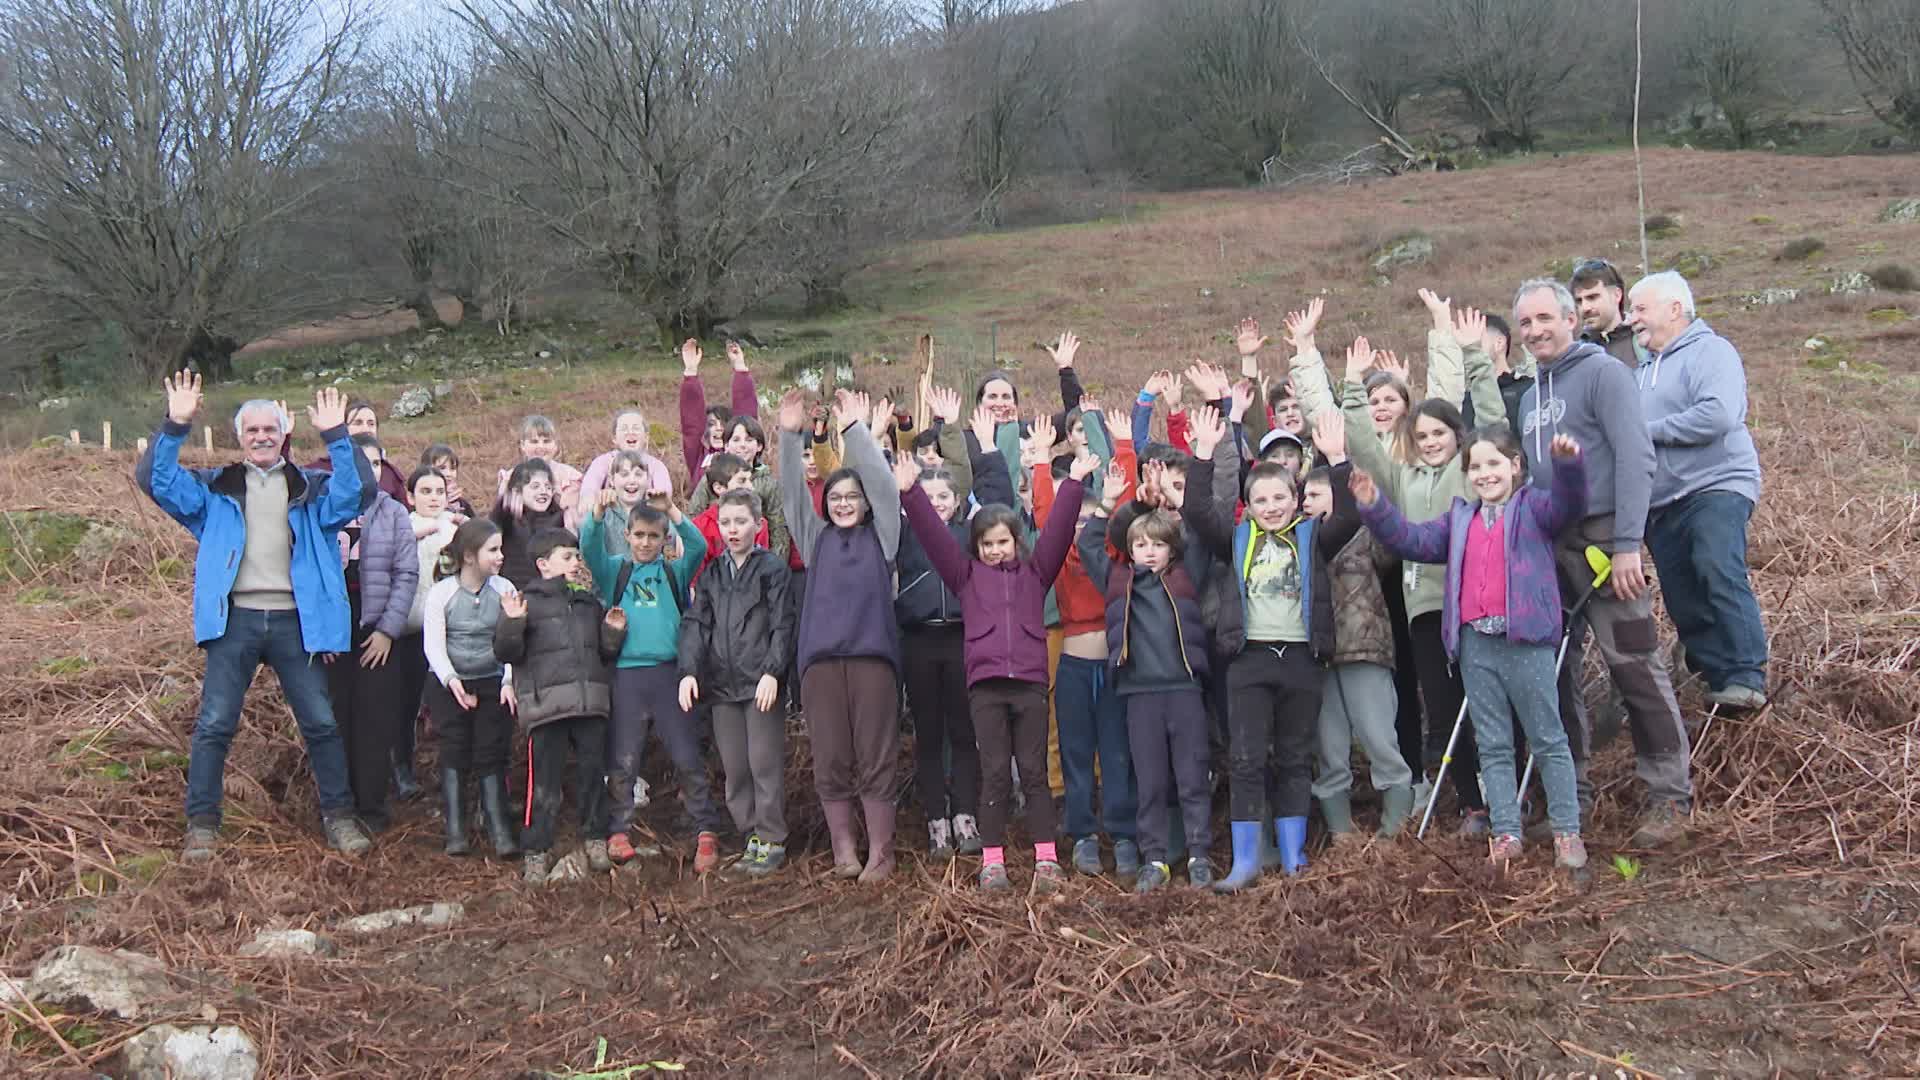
x,y
1699,547
1506,680
1093,720
252,638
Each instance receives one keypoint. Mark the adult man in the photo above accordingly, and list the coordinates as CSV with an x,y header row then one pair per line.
x,y
1706,479
1581,393
1601,295
267,586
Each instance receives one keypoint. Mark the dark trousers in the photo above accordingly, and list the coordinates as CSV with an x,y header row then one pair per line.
x,y
1276,688
1010,720
410,653
547,763
1093,722
369,709
648,698
1167,732
1699,546
936,677
471,740
852,706
1440,682
1417,736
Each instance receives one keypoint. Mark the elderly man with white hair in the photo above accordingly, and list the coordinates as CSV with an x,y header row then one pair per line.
x,y
267,588
1706,479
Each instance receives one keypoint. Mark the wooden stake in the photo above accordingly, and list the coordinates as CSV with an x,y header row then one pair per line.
x,y
74,436
209,436
140,445
106,434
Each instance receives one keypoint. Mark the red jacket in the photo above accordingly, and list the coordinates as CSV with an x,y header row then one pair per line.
x,y
708,522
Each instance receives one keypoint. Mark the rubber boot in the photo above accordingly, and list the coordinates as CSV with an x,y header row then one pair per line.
x,y
1337,812
493,808
405,787
454,809
1246,858
846,846
1396,806
1269,852
880,815
1292,832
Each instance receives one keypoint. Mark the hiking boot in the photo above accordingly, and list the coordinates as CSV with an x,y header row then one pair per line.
x,y
1474,824
1200,872
1662,825
706,853
939,840
1086,856
1541,832
1502,850
1569,851
1126,860
1047,878
346,836
966,835
772,857
993,878
202,842
1738,698
597,860
533,868
620,848
1153,876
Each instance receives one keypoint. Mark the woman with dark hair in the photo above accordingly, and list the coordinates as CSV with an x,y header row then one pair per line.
x,y
529,504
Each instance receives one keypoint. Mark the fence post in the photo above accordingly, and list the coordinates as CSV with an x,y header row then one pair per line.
x,y
140,444
209,436
106,435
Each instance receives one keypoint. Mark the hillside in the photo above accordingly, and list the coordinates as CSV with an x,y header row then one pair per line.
x,y
1786,941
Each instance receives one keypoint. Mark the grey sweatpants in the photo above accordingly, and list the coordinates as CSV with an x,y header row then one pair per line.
x,y
1359,701
753,751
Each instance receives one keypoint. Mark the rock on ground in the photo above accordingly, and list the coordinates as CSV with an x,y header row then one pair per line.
x,y
415,401
287,944
570,867
1411,250
119,982
1901,210
200,1052
428,915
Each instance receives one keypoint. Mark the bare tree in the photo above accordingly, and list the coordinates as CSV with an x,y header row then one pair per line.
x,y
1010,70
1736,52
1881,40
153,157
1371,61
1509,61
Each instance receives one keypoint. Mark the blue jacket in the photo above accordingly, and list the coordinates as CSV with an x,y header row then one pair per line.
x,y
319,505
1694,395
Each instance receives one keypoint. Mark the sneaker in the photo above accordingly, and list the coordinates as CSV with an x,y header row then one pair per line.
x,y
939,840
772,857
1502,850
347,837
620,848
1422,791
993,878
1738,698
1475,824
706,853
1663,824
533,868
966,835
597,860
755,851
1200,872
202,842
1086,856
1569,851
1154,875
1126,859
1047,878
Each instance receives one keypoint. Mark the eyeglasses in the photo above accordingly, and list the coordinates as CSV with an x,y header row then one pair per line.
x,y
849,498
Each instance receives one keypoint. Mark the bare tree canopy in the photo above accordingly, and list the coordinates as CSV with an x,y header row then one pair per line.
x,y
1881,40
1736,52
151,156
1508,59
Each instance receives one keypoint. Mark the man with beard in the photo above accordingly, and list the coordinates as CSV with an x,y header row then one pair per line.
x,y
1601,296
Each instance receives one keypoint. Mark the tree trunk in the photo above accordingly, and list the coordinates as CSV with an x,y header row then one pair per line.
x,y
51,377
421,304
826,294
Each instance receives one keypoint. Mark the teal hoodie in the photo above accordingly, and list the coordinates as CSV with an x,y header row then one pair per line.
x,y
656,593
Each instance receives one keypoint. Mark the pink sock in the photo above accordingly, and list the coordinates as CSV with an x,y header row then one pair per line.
x,y
1045,853
994,856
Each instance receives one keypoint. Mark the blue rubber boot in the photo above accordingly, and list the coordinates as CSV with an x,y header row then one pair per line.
x,y
1246,858
1292,832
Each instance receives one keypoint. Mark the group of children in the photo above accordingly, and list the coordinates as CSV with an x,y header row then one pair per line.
x,y
1138,602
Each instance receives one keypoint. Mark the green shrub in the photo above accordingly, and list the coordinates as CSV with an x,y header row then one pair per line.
x,y
1894,277
1806,247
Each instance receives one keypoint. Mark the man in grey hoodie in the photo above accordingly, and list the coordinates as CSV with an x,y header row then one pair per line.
x,y
1584,393
1706,479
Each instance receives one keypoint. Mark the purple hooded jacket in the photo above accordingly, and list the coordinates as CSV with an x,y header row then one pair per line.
x,y
1003,607
1532,520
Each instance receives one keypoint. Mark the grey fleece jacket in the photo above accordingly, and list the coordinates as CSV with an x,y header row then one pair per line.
x,y
1590,396
1695,397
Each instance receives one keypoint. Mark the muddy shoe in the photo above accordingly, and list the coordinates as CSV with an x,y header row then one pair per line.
x,y
597,857
533,868
1047,878
1126,860
706,853
939,840
1737,698
1474,824
1200,872
345,836
1662,826
966,835
202,842
1153,876
1569,851
620,848
772,857
993,878
1502,850
1086,856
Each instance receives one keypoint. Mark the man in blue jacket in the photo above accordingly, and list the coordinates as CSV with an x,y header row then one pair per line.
x,y
267,587
1706,479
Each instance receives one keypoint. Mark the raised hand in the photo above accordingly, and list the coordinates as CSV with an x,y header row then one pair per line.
x,y
1247,337
1392,364
286,415
1209,381
1172,393
1302,324
661,499
983,428
690,357
329,409
1242,399
604,500
1440,308
1041,434
1361,484
1208,430
1156,383
1084,465
1469,327
1116,482
1563,448
793,411
850,407
1063,351
1359,359
1330,435
616,618
514,605
881,418
736,356
1090,410
906,472
689,693
944,401
1148,492
184,396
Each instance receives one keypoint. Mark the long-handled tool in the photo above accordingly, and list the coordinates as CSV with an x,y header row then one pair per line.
x,y
1602,568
